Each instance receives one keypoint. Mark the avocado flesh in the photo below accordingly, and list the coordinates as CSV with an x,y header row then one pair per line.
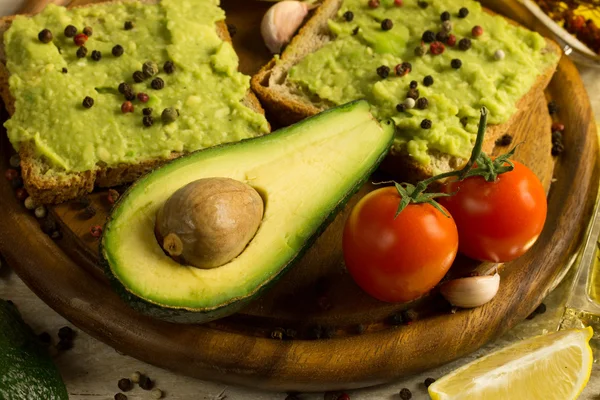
x,y
26,368
304,173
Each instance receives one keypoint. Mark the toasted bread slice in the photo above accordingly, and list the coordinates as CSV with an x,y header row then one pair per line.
x,y
47,186
286,104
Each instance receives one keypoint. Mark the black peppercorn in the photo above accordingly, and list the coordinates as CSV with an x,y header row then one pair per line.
x,y
504,140
124,87
65,70
277,333
64,345
428,382
16,183
82,52
348,16
66,333
129,95
464,44
148,120
146,383
96,55
445,16
552,107
89,212
456,63
169,67
118,50
128,25
557,148
45,36
395,319
48,226
147,111
413,84
540,309
231,28
125,384
428,37
70,31
441,37
157,84
387,24
120,396
138,76
88,31
405,394
423,4
413,94
400,107
556,137
463,12
45,338
88,102
383,71
426,124
428,80
422,103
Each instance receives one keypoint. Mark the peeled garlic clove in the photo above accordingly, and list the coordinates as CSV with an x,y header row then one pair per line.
x,y
280,23
471,292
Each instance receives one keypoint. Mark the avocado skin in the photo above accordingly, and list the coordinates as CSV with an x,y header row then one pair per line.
x,y
27,371
189,316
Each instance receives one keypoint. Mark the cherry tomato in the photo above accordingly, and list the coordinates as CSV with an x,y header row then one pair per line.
x,y
397,259
498,221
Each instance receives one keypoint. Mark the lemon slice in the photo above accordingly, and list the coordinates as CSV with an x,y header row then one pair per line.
x,y
554,366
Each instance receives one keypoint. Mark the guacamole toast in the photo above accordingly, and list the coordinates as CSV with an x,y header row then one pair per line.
x,y
46,183
288,100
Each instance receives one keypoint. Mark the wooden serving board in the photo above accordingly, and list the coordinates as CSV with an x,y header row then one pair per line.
x,y
318,293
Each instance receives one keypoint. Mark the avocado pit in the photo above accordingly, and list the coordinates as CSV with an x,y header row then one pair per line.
x,y
209,222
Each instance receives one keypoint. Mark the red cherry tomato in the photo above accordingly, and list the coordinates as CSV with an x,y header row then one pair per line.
x,y
397,259
498,221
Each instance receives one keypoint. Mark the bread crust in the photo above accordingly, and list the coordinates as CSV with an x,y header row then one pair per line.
x,y
47,188
399,165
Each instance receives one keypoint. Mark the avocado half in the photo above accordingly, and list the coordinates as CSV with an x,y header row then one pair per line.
x,y
305,174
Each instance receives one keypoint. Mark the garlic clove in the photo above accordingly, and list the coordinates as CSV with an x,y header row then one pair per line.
x,y
471,292
280,23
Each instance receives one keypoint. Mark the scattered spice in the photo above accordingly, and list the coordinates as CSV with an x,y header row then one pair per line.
x,y
441,36
96,55
30,203
463,12
403,69
422,103
383,71
11,174
88,102
398,3
413,84
45,338
423,4
89,211
456,63
129,96
409,103
400,107
112,196
231,28
348,16
15,161
477,31
421,50
405,394
428,36
541,309
66,333
558,126
426,124
96,231
373,3
556,137
124,87
82,52
150,68
147,111
451,40
169,67
428,382
128,25
499,55
277,333
396,319
505,140
146,383
553,107
118,50
65,70
143,97
88,31
16,183
156,393
169,115
70,31
135,377
344,396
120,396
437,48
40,212
557,149
445,16
447,26
45,36
48,226
125,384
138,76
21,194
464,44
413,94
428,80
157,83
80,39
64,345
387,24
127,107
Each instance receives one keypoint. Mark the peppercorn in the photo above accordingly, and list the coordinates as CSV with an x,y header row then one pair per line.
x,y
499,55
403,69
437,48
88,31
135,377
421,50
428,382
120,396
17,182
138,76
64,70
398,3
504,140
428,80
277,333
156,393
441,36
56,235
464,44
426,124
30,203
477,31
552,107
409,315
169,115
400,107
413,84
556,137
88,102
82,52
343,396
231,28
387,24
445,16
112,196
456,63
40,212
45,36
383,71
428,36
128,25
118,50
147,111
80,39
348,16
157,83
129,95
21,194
15,161
540,309
70,31
125,384
373,3
463,12
409,103
45,338
451,41
64,345
557,126
96,55
557,149
150,68
422,103
143,97
48,226
169,67
413,94
146,383
127,107
423,4
96,231
405,394
66,333
11,174
124,87
395,319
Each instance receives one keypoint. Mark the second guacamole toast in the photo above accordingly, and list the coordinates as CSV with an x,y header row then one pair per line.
x,y
288,103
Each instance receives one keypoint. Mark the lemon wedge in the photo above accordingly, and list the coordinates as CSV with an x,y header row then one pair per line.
x,y
554,366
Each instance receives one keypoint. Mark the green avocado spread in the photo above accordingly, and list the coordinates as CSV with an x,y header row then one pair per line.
x,y
346,69
49,83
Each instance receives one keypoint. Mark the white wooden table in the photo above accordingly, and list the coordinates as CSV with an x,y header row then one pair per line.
x,y
92,369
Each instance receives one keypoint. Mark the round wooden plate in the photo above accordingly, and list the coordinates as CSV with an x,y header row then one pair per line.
x,y
318,296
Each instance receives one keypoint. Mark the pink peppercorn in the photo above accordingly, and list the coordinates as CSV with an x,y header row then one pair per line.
x,y
557,126
477,31
451,40
80,39
437,48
